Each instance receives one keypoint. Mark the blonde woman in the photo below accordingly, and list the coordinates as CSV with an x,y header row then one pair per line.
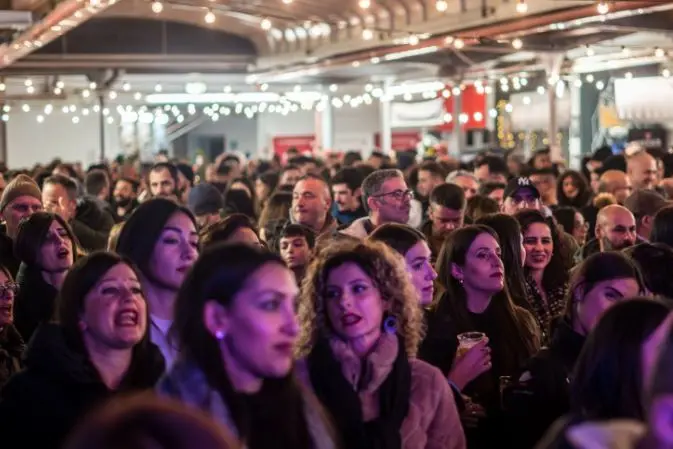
x,y
361,327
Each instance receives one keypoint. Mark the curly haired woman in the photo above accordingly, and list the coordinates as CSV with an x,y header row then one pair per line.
x,y
361,327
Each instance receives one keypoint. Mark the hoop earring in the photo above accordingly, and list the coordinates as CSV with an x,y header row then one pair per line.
x,y
390,325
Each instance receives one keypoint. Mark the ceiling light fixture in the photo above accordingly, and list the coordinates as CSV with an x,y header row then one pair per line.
x,y
458,43
603,7
517,44
209,17
266,24
367,34
441,5
365,4
157,7
521,6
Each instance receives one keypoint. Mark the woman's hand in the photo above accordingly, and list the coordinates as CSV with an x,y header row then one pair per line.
x,y
472,414
476,361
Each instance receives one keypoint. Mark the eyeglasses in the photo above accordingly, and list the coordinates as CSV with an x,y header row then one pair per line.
x,y
397,194
5,289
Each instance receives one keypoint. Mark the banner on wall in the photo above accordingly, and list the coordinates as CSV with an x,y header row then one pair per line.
x,y
401,140
648,137
420,114
304,144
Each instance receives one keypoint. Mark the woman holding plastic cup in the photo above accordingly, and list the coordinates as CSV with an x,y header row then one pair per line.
x,y
475,314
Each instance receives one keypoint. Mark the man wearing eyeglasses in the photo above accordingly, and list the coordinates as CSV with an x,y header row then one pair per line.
x,y
388,200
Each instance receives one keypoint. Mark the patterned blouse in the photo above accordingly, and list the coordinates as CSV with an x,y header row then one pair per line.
x,y
545,311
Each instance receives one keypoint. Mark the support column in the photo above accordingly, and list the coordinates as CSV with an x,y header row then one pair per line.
x,y
101,127
457,140
386,118
575,133
324,123
553,63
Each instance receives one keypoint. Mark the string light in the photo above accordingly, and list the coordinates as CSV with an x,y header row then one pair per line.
x,y
126,86
86,93
209,17
137,96
590,51
265,24
517,44
590,78
112,94
158,88
665,73
333,88
441,5
603,7
659,53
157,7
58,91
287,2
413,40
365,4
626,51
458,43
92,85
367,34
3,87
521,6
30,89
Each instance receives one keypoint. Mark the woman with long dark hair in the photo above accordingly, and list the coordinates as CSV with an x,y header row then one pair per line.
x,y
611,372
572,189
234,228
475,300
235,329
11,343
540,393
361,327
47,248
572,222
99,347
513,254
160,238
546,275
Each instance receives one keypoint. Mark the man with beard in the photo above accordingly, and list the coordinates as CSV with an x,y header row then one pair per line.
x,y
388,199
615,228
163,181
125,197
311,202
347,196
446,213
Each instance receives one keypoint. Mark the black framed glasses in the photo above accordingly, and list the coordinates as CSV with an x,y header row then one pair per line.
x,y
7,288
397,194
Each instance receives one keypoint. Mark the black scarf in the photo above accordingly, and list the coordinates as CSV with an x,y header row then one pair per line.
x,y
343,402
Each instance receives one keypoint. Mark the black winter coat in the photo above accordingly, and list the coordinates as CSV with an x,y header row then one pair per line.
x,y
541,394
35,302
41,405
11,349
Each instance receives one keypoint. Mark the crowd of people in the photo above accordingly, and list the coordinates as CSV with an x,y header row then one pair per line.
x,y
337,302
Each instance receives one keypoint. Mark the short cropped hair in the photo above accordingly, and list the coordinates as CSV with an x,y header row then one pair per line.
x,y
372,184
448,195
297,230
95,181
349,176
67,183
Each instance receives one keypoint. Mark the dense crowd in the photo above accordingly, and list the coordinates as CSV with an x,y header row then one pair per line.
x,y
336,302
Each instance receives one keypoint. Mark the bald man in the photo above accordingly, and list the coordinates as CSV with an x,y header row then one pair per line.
x,y
615,228
616,183
643,170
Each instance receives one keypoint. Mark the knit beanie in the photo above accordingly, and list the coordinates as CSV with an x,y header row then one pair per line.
x,y
21,185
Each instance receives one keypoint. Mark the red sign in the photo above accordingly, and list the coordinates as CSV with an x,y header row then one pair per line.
x,y
401,140
304,144
473,106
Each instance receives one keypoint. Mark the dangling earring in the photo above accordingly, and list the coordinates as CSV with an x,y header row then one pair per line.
x,y
460,281
219,335
390,324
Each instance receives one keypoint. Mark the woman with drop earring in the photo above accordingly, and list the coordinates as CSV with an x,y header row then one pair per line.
x,y
361,327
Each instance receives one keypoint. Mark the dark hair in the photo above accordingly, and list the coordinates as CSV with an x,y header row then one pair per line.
x,y
654,261
143,228
509,234
448,195
222,230
518,325
186,171
662,227
220,274
607,380
351,157
297,230
71,302
583,190
32,233
269,179
480,205
487,188
434,168
68,184
599,267
555,273
399,237
276,209
350,176
565,216
224,169
134,184
496,164
95,181
145,421
237,201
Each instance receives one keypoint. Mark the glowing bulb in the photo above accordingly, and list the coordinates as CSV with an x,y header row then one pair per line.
x,y
158,88
665,73
157,7
25,108
28,82
265,24
602,7
521,7
590,78
75,120
126,87
86,93
458,43
333,88
137,96
441,5
58,91
3,87
209,17
413,40
30,89
590,51
517,44
659,53
365,4
112,95
367,34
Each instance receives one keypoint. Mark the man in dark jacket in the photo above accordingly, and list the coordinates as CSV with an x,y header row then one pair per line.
x,y
89,223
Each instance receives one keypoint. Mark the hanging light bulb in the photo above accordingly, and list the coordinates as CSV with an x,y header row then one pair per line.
x,y
210,17
365,4
521,6
603,7
441,5
367,34
517,44
126,86
157,7
626,51
666,73
590,51
659,53
265,24
458,43
413,40
287,2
